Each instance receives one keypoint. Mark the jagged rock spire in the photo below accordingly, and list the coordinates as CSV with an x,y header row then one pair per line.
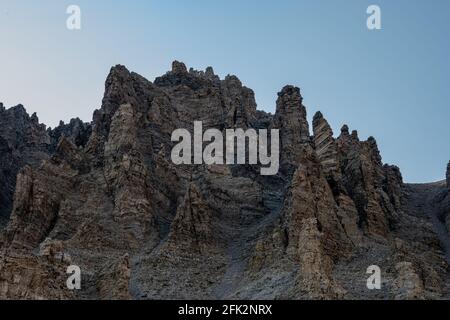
x,y
345,131
209,72
290,119
325,144
178,67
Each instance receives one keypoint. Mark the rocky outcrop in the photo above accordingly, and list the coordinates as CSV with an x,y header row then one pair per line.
x,y
314,280
191,229
23,141
38,197
365,180
106,197
77,131
354,170
26,142
127,174
315,236
326,147
290,119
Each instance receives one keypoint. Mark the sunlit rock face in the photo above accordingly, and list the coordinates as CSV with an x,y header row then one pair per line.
x,y
105,196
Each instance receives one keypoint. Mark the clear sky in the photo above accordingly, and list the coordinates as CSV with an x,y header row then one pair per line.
x,y
392,83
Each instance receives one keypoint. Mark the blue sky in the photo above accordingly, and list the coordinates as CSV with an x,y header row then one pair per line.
x,y
392,84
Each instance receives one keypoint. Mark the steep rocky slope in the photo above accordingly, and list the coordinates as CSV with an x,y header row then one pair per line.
x,y
106,196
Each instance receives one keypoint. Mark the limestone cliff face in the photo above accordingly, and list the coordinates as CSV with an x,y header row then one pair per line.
x,y
106,197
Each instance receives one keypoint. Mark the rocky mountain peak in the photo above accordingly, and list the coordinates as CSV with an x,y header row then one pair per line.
x,y
193,79
179,67
117,72
318,116
18,114
291,119
106,196
291,94
345,130
117,83
34,118
209,72
347,137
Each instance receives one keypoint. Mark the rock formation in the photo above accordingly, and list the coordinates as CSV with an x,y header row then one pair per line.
x,y
106,197
290,119
76,131
24,141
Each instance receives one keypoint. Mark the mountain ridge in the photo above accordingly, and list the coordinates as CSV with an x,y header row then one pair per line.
x,y
105,196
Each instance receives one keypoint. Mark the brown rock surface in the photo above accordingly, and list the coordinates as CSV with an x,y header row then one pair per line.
x,y
106,197
113,280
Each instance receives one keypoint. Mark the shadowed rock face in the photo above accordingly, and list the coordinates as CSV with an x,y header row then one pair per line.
x,y
105,196
76,131
24,141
